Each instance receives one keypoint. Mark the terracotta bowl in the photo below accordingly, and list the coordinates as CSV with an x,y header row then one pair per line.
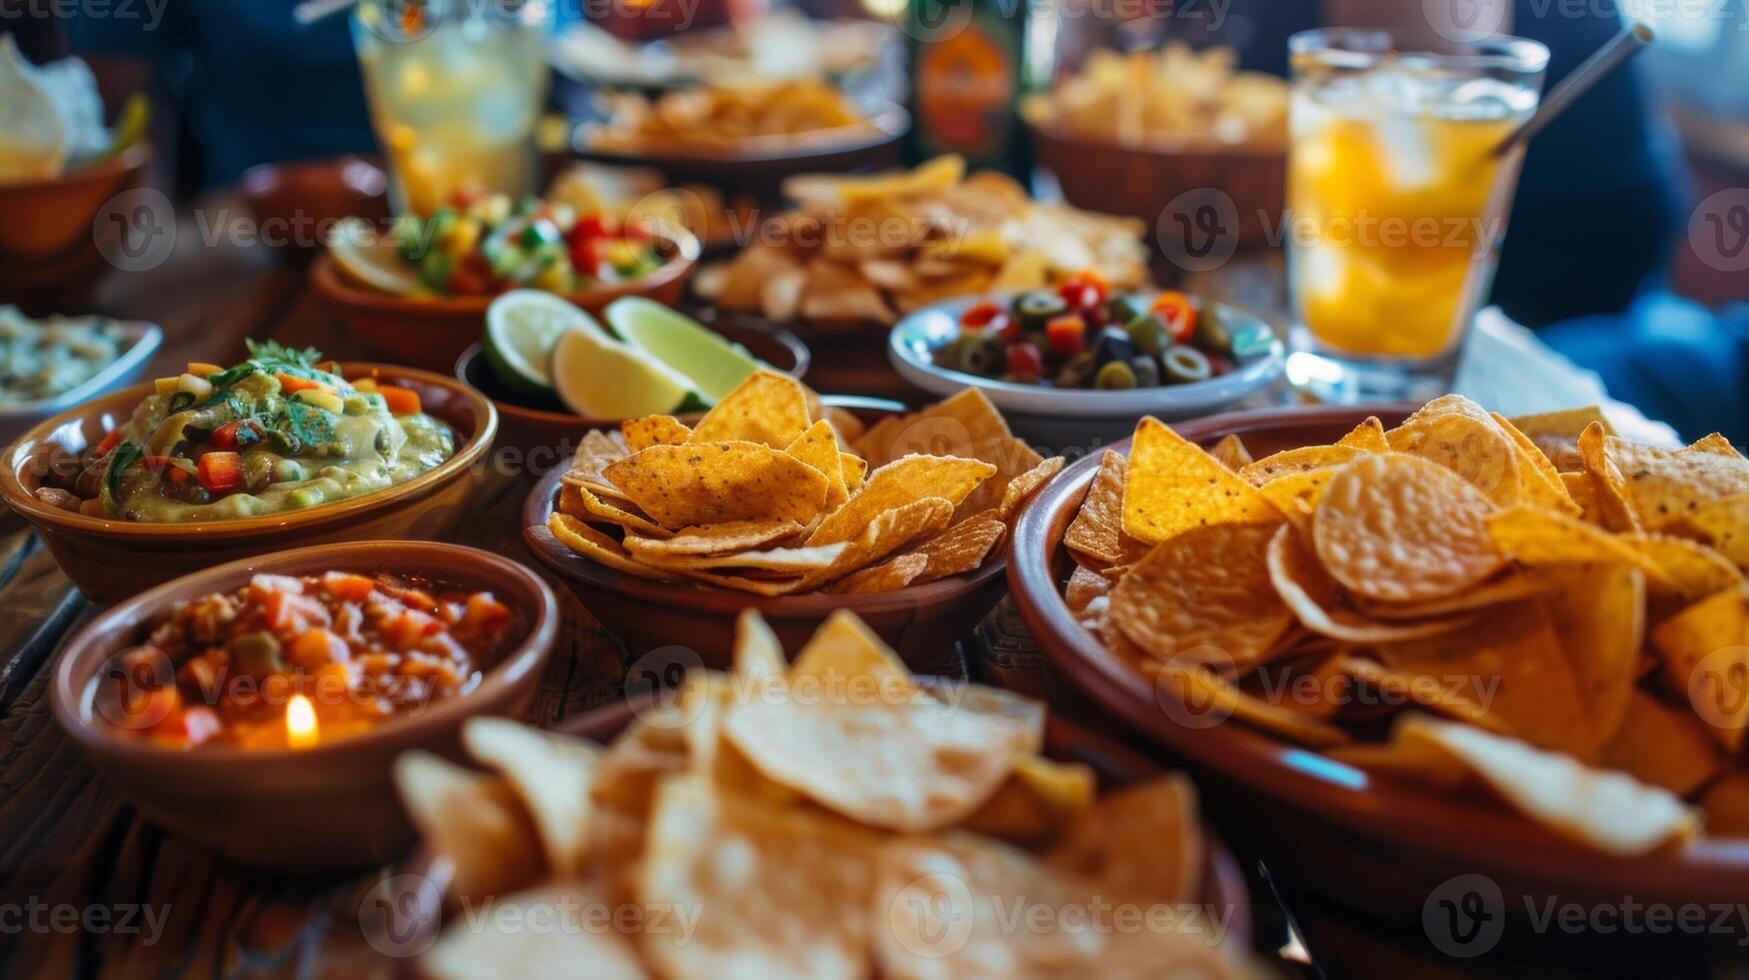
x,y
545,434
294,202
1144,182
432,332
412,917
51,241
1383,848
920,623
298,811
110,560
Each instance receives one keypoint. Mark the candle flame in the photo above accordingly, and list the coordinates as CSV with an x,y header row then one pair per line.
x,y
300,722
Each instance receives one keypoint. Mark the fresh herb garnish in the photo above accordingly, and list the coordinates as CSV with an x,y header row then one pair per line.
x,y
270,355
305,423
123,456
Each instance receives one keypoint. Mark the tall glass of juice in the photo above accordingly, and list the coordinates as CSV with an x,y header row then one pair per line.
x,y
455,93
1398,193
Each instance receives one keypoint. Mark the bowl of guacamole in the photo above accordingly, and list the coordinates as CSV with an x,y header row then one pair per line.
x,y
223,461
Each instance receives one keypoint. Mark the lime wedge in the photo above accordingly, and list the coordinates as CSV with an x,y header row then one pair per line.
x,y
600,378
714,365
522,328
370,259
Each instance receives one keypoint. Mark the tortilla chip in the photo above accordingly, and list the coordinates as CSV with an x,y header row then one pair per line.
x,y
1211,699
1402,529
767,408
1145,839
714,482
592,544
1305,588
1231,452
898,483
551,773
654,430
1608,503
1661,746
473,820
1557,433
543,932
1466,441
1458,698
1722,523
1290,462
889,576
581,502
889,531
1538,479
948,428
715,539
853,469
1037,802
1207,589
961,548
1020,489
1687,569
1599,612
1666,485
1706,660
1368,437
1173,486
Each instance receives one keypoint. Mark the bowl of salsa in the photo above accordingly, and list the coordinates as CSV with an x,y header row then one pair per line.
x,y
222,462
255,708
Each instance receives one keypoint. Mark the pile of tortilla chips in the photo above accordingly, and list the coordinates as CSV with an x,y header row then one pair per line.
x,y
771,494
866,250
707,120
827,818
1531,607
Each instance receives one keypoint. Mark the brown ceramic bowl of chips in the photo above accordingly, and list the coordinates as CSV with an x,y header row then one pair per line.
x,y
410,917
1457,870
922,623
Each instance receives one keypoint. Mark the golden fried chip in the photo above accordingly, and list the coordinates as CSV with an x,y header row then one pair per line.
x,y
594,455
581,502
1303,585
654,430
767,408
1207,589
551,773
1368,437
1608,504
1402,529
896,484
1466,441
1724,524
818,447
853,468
1706,660
592,544
1599,612
1538,479
713,482
1296,495
1290,462
548,931
844,647
887,533
742,866
1085,585
911,764
1557,433
1459,698
1661,746
1037,802
889,576
1021,488
1202,692
1511,664
758,652
1510,588
1231,452
961,548
1607,810
1688,569
1173,485
948,428
1013,459
473,820
1096,535
1145,839
1540,537
716,539
781,561
1666,485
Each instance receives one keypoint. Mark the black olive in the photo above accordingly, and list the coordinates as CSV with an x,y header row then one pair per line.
x,y
196,433
181,401
1113,344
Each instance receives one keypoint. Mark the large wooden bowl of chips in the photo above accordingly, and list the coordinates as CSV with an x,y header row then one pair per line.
x,y
1459,869
408,924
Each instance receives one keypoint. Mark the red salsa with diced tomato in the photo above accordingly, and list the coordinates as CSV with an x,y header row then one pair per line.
x,y
1081,334
358,650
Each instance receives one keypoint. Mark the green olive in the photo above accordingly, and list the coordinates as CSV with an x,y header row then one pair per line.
x,y
1183,365
1150,333
1114,375
1038,308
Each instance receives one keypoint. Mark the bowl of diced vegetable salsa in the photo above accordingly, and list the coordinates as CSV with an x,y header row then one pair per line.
x,y
418,289
256,708
222,462
1082,362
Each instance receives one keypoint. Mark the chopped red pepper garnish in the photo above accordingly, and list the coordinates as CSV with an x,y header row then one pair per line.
x,y
220,472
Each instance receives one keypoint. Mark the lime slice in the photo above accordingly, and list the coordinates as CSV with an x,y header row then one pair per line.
x,y
714,365
370,259
600,378
522,328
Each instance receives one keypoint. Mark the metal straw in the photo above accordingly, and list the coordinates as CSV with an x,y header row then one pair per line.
x,y
1631,41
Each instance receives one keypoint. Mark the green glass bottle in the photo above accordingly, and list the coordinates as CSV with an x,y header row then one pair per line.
x,y
970,63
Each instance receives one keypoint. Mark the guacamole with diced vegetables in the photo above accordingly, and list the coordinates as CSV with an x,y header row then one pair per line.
x,y
280,431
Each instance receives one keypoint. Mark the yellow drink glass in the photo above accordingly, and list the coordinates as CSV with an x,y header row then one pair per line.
x,y
454,97
1397,202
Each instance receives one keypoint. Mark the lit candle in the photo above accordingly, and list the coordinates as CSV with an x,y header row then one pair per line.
x,y
300,723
